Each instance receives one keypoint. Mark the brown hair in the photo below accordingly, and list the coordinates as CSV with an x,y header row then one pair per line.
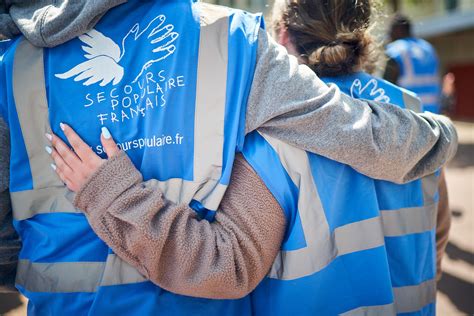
x,y
332,36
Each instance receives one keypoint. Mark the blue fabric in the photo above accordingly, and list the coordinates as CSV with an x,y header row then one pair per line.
x,y
341,188
76,304
392,196
412,258
348,282
60,237
240,64
147,299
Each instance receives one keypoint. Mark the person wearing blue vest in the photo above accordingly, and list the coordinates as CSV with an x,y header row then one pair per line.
x,y
351,244
178,84
413,64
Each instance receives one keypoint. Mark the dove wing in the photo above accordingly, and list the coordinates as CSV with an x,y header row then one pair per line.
x,y
101,69
97,44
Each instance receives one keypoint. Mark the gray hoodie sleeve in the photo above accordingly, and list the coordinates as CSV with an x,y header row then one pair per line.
x,y
9,241
47,23
289,102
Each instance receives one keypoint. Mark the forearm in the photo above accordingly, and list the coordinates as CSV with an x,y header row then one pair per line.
x,y
289,102
169,245
9,241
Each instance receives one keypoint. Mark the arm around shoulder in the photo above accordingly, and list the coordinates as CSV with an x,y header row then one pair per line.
x,y
288,101
171,246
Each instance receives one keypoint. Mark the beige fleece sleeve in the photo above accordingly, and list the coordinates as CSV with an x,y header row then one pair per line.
x,y
443,224
169,245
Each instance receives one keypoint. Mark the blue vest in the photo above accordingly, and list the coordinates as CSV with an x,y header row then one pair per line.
x,y
170,80
353,245
419,70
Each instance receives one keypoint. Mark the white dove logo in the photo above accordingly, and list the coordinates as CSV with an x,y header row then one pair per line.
x,y
106,60
378,94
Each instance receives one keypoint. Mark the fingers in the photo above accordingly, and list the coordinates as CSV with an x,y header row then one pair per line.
x,y
83,151
155,25
67,155
63,175
164,51
59,162
73,170
61,168
110,147
164,33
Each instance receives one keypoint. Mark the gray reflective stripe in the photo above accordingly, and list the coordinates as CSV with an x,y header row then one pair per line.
x,y
358,236
119,272
27,204
418,80
59,277
411,102
32,108
211,93
388,309
409,220
413,298
48,194
430,186
211,197
322,247
209,193
68,277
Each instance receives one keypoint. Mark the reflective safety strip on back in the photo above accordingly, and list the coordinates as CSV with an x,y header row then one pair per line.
x,y
49,193
408,299
414,298
410,220
59,277
388,309
73,277
322,247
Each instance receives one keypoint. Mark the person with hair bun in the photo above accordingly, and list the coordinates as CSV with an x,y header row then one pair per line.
x,y
333,38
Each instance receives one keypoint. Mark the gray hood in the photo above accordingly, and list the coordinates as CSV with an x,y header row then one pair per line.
x,y
47,23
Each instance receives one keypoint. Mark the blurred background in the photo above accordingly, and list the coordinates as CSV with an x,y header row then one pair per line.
x,y
449,26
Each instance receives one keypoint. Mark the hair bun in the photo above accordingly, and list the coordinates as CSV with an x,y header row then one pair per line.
x,y
339,56
331,59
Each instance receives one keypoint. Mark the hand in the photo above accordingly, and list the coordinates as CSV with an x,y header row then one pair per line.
x,y
76,167
157,37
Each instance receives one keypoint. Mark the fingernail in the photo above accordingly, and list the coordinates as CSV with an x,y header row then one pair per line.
x,y
53,166
106,133
62,126
49,136
48,149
